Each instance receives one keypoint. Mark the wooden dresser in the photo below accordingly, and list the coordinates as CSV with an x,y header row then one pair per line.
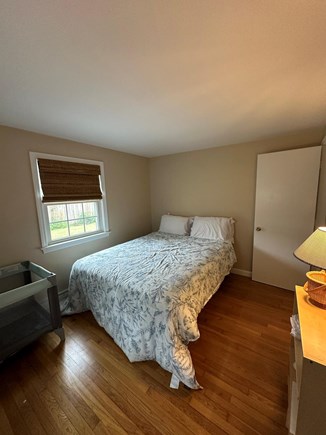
x,y
307,374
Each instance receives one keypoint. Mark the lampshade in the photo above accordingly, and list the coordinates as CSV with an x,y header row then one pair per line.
x,y
313,249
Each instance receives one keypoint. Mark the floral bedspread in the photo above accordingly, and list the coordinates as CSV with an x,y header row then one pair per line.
x,y
147,294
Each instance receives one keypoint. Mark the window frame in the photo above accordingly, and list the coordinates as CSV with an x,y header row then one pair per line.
x,y
48,245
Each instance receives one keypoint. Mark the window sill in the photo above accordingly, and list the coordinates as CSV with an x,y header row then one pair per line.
x,y
74,242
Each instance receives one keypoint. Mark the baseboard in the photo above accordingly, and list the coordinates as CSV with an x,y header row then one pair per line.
x,y
241,272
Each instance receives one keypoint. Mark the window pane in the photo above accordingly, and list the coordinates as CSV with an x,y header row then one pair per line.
x,y
57,213
76,227
59,230
90,209
71,220
75,211
91,224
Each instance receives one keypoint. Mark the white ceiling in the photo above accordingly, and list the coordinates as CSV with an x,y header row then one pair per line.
x,y
155,77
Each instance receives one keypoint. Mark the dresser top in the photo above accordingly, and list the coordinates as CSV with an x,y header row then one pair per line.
x,y
313,328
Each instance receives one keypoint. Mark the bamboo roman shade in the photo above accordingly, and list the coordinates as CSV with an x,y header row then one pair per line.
x,y
69,181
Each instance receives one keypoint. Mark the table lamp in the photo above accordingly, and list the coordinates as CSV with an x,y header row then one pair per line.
x,y
313,252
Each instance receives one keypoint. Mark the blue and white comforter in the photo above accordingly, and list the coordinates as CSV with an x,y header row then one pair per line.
x,y
147,294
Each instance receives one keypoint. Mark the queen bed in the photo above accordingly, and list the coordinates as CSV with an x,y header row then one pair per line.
x,y
147,293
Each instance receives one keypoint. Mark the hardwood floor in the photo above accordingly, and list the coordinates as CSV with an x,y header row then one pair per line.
x,y
87,385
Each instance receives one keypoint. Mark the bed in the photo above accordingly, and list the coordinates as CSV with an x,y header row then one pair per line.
x,y
147,294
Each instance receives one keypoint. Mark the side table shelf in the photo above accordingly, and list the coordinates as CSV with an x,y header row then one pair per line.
x,y
29,306
307,370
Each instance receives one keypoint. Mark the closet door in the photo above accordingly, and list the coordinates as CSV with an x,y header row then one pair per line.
x,y
286,197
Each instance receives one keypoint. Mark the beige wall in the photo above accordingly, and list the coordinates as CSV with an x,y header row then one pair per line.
x,y
217,181
127,188
221,182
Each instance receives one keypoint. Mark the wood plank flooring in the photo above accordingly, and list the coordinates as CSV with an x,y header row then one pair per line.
x,y
87,385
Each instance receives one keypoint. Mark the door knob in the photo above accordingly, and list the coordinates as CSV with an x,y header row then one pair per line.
x,y
258,229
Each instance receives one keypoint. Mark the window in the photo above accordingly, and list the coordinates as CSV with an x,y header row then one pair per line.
x,y
72,219
70,200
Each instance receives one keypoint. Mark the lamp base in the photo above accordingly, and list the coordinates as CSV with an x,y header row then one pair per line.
x,y
316,288
316,278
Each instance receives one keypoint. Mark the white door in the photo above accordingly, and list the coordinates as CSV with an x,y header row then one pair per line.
x,y
286,196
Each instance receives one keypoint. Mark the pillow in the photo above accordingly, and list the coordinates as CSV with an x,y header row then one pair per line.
x,y
174,225
215,228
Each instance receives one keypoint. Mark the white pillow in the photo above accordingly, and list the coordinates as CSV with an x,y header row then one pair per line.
x,y
214,228
174,225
